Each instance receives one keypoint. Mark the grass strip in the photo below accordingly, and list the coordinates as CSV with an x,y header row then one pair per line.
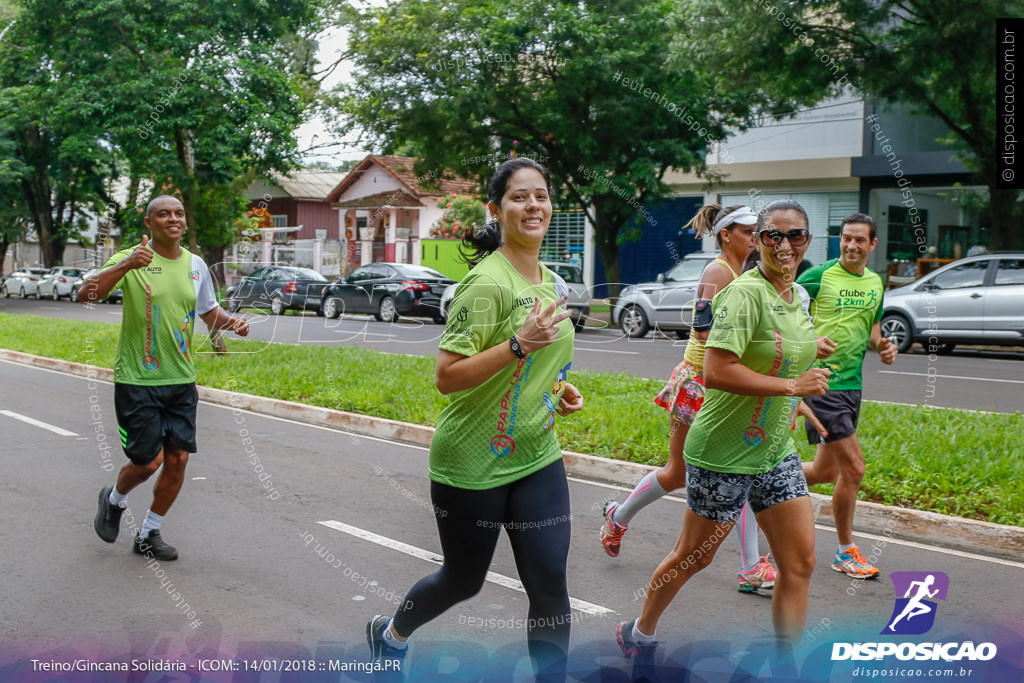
x,y
950,461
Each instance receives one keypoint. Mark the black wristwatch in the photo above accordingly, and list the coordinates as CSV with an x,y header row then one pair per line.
x,y
516,348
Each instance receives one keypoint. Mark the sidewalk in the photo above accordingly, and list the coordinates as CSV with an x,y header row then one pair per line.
x,y
884,521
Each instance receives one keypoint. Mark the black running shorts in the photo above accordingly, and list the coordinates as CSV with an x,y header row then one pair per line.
x,y
838,411
149,416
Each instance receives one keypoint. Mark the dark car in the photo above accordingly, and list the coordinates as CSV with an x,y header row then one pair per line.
x,y
388,290
278,288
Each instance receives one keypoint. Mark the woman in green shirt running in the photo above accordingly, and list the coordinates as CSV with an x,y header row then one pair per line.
x,y
757,363
495,462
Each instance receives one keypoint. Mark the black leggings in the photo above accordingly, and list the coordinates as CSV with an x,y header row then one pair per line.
x,y
535,513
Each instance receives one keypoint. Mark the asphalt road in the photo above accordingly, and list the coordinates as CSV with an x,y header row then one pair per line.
x,y
293,565
979,380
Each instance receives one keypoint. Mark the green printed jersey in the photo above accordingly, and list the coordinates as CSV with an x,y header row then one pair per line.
x,y
845,307
501,430
751,434
160,305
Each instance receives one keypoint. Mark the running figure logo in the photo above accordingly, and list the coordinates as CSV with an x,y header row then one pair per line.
x,y
914,613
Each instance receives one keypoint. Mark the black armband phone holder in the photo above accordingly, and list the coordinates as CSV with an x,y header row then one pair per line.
x,y
702,315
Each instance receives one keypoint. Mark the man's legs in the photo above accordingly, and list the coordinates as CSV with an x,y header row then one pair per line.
x,y
172,476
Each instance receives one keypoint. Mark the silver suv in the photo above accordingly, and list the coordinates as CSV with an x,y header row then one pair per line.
x,y
667,303
976,300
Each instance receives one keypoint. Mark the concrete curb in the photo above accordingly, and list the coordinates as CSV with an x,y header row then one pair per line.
x,y
897,522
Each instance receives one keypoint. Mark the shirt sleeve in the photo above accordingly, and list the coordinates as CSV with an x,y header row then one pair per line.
x,y
479,309
811,279
736,314
114,260
206,297
881,305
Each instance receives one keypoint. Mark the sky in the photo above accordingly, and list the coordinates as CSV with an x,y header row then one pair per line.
x,y
315,132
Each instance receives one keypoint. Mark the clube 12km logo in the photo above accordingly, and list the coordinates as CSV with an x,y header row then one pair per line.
x,y
914,614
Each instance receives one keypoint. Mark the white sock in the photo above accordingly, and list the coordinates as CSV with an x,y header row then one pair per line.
x,y
117,498
844,547
746,534
645,493
641,638
151,523
392,640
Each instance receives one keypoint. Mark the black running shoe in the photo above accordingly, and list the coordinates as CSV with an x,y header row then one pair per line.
x,y
108,517
386,660
154,547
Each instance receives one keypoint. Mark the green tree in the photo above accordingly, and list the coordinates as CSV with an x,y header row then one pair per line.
x,y
467,82
936,56
189,96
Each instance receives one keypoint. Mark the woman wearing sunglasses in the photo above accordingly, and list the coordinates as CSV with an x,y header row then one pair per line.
x,y
733,229
757,366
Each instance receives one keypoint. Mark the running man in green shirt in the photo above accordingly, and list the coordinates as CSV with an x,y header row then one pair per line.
x,y
847,309
155,395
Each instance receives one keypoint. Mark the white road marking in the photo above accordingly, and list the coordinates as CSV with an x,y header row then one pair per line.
x,y
622,353
925,374
493,577
37,423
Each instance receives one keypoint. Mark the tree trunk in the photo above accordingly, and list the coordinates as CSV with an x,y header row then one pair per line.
x,y
604,238
1007,228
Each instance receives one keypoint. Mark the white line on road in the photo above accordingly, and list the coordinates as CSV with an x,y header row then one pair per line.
x,y
623,353
925,374
493,577
37,423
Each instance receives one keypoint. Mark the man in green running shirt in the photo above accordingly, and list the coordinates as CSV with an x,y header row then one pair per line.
x,y
847,309
155,395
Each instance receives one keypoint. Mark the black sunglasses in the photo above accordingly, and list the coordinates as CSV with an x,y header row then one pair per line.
x,y
773,238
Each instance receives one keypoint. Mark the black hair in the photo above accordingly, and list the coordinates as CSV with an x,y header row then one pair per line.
x,y
861,218
780,205
703,222
154,200
478,243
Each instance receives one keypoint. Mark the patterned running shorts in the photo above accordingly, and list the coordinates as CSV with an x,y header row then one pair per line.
x,y
719,496
684,393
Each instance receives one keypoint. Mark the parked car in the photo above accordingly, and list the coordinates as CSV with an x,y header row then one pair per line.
x,y
976,300
278,288
387,290
666,303
115,296
579,296
24,282
60,282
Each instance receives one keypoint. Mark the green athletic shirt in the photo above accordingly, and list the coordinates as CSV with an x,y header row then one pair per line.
x,y
845,307
500,431
160,304
751,434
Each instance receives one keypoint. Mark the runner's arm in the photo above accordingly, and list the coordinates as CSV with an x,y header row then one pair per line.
x,y
219,319
712,281
723,371
100,284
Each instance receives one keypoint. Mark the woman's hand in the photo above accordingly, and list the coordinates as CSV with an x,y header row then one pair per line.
x,y
541,327
572,400
814,382
805,410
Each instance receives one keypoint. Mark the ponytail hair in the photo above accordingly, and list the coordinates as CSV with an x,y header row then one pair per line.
x,y
478,243
703,223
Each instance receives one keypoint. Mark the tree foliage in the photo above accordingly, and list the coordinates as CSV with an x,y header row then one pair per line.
x,y
194,97
935,56
466,82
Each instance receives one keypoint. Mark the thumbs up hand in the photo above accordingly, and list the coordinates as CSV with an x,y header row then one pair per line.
x,y
142,255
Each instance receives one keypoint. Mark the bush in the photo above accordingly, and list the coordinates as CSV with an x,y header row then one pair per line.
x,y
460,214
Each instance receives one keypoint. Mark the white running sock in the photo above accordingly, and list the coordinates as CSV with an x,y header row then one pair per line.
x,y
392,640
645,493
117,498
151,523
746,534
639,637
845,547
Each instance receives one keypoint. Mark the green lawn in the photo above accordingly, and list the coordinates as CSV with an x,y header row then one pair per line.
x,y
949,461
